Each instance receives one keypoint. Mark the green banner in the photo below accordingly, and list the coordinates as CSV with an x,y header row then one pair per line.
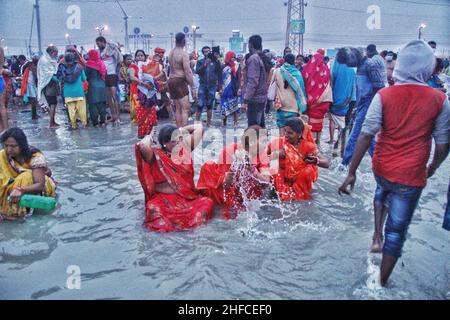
x,y
297,26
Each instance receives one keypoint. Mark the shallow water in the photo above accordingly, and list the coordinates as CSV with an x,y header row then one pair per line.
x,y
308,250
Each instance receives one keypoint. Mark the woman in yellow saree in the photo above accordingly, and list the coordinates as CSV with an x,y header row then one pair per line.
x,y
23,170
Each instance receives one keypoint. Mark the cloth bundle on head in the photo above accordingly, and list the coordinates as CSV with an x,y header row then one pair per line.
x,y
415,63
71,48
70,71
349,56
69,58
96,63
321,51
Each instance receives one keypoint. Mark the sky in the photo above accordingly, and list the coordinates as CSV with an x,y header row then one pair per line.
x,y
329,23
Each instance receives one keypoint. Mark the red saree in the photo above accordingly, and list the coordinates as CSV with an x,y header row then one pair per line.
x,y
212,176
317,83
183,210
293,180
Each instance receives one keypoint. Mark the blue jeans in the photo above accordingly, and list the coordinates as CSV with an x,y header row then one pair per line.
x,y
206,97
446,225
402,201
354,136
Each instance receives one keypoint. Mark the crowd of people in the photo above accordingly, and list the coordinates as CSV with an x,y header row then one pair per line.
x,y
390,104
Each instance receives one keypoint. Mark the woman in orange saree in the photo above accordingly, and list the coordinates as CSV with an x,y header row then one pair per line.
x,y
233,178
167,177
299,160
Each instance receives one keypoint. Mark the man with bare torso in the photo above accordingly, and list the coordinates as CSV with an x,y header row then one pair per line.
x,y
181,77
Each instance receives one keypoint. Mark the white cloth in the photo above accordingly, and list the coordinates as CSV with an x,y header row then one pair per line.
x,y
415,64
47,67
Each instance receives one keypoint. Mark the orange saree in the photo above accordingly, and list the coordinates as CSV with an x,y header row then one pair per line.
x,y
183,210
293,179
212,176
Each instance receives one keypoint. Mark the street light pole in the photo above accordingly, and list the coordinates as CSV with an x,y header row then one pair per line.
x,y
194,34
125,19
421,27
38,22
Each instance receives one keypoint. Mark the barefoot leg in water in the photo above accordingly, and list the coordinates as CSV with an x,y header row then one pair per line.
x,y
332,129
52,113
387,266
381,211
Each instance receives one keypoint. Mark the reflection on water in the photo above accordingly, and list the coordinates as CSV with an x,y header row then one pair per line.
x,y
308,250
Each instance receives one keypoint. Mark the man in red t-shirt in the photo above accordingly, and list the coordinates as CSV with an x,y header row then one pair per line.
x,y
407,117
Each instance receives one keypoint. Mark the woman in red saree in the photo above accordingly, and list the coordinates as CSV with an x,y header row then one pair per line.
x,y
316,75
233,178
167,177
142,107
299,160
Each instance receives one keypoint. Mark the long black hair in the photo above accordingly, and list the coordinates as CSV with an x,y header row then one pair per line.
x,y
165,134
26,150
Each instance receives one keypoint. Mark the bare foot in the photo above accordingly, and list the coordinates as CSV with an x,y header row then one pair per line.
x,y
54,126
377,246
330,142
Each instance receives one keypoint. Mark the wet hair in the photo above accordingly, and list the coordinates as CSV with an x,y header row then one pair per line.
x,y
256,42
432,43
22,57
290,58
100,39
180,37
26,150
165,134
137,51
295,124
126,56
326,59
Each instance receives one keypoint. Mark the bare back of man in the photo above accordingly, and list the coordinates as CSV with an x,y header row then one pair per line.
x,y
180,77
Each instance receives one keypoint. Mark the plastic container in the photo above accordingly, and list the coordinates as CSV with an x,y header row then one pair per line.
x,y
37,202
